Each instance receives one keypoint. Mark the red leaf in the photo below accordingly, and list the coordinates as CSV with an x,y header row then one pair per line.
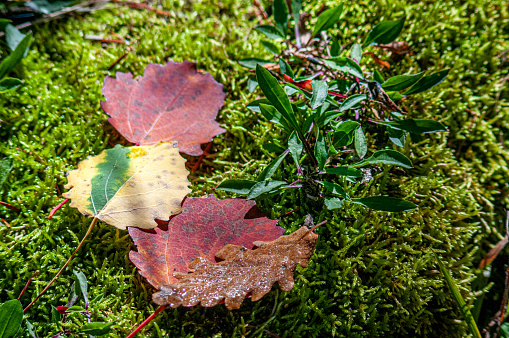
x,y
169,103
205,225
241,273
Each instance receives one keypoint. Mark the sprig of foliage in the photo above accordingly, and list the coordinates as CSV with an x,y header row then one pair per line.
x,y
326,109
18,43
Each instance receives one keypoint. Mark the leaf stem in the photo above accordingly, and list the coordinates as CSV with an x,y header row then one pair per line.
x,y
55,209
146,321
94,221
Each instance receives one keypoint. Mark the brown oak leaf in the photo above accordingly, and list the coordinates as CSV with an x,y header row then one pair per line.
x,y
171,102
205,225
242,272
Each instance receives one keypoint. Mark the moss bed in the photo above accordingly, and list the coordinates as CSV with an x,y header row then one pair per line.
x,y
372,274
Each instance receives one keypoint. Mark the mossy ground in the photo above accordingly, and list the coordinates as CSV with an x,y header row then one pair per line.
x,y
372,274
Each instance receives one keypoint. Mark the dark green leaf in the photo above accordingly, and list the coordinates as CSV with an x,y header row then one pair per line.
x,y
296,8
384,32
419,126
378,77
307,123
13,37
335,189
251,63
396,136
333,203
345,65
96,329
270,170
335,49
320,151
273,147
9,83
255,104
320,90
394,96
291,90
263,188
427,82
75,308
252,84
82,281
343,134
459,300
400,82
386,157
5,168
276,95
237,186
271,114
11,315
361,147
31,329
15,57
270,32
295,146
3,24
281,15
47,7
384,203
352,101
356,52
327,19
271,48
55,315
344,171
285,68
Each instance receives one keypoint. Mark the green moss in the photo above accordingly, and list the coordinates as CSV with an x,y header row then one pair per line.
x,y
373,273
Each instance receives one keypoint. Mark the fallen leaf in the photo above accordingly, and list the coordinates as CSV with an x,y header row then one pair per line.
x,y
205,225
242,272
130,186
169,103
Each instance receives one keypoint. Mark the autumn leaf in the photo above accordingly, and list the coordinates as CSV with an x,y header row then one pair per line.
x,y
130,186
171,102
205,225
242,272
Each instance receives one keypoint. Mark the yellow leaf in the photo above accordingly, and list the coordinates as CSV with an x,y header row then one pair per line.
x,y
130,186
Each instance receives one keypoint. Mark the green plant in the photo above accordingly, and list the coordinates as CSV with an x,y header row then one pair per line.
x,y
19,44
333,111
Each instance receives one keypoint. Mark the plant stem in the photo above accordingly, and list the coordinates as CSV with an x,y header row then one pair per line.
x,y
94,221
55,209
146,321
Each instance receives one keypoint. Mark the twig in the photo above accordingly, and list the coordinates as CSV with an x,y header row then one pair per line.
x,y
260,8
119,59
28,283
55,209
12,207
205,153
55,15
94,221
6,223
138,5
146,321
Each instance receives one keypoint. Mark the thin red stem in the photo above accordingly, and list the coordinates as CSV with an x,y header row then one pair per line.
x,y
13,208
316,226
94,221
28,283
146,321
55,209
205,153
